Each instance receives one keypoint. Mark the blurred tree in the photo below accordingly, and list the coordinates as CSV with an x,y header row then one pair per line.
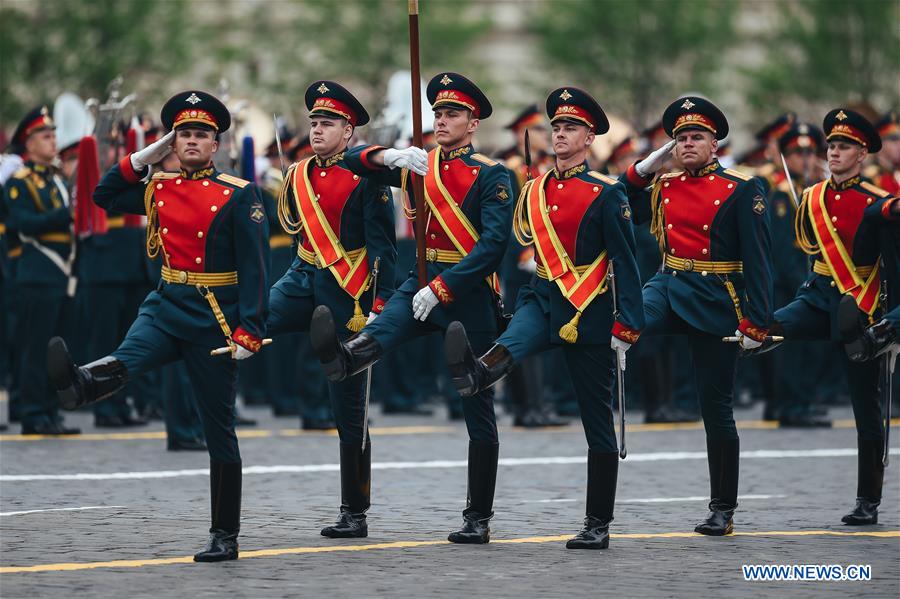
x,y
640,53
51,46
831,50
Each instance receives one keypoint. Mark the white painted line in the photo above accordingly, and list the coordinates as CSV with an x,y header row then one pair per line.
x,y
663,456
63,509
660,499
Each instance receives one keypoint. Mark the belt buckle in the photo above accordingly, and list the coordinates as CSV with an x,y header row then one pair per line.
x,y
431,254
688,265
182,276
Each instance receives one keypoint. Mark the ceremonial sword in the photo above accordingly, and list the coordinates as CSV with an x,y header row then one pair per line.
x,y
890,362
620,374
365,423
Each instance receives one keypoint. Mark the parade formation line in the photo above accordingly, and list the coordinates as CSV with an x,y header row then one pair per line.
x,y
406,430
139,563
660,456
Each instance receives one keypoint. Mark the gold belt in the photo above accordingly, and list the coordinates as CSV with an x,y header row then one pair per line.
x,y
820,268
56,237
206,279
115,222
542,272
704,267
448,256
312,258
279,241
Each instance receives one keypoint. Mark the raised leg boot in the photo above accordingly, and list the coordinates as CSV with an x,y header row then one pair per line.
x,y
340,360
471,374
79,386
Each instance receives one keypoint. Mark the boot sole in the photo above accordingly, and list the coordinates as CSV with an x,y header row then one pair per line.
x,y
59,369
208,559
715,533
324,341
457,350
469,540
342,535
584,545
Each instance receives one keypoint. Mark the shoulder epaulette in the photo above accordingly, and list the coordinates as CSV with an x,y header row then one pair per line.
x,y
484,159
604,178
22,173
237,181
671,175
738,174
163,176
874,189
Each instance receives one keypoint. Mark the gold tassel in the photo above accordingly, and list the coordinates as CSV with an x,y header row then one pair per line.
x,y
657,218
358,320
806,240
290,225
569,331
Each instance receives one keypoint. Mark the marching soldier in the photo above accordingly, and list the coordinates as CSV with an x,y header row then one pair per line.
x,y
470,219
885,173
579,221
39,209
713,230
345,225
211,231
830,227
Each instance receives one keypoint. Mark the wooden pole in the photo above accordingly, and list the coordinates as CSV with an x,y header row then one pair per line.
x,y
418,185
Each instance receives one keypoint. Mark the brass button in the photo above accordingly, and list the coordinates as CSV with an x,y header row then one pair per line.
x,y
318,196
837,196
446,167
712,177
832,283
705,251
555,208
716,203
869,200
355,177
666,184
322,174
177,181
666,201
160,203
213,208
433,236
683,178
672,251
730,185
198,260
206,184
706,227
669,226
159,186
474,171
226,192
834,219
559,186
703,273
199,234
596,189
165,230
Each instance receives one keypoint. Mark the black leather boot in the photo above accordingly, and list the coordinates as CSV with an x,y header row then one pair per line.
x,y
870,477
480,496
470,374
356,484
225,494
724,464
79,386
340,360
603,469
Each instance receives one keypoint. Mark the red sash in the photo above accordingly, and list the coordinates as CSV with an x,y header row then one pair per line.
x,y
839,262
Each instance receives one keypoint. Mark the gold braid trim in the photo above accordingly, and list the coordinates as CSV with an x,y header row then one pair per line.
x,y
734,299
806,240
520,217
408,210
657,221
285,210
216,310
154,241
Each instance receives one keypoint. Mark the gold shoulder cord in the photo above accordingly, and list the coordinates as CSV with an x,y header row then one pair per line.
x,y
408,209
521,229
292,227
657,221
805,240
154,241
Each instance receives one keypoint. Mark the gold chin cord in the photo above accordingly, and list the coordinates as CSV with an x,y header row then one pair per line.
x,y
217,312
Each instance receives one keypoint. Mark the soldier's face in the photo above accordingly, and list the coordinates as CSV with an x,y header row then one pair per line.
x,y
694,149
41,146
891,150
195,147
453,127
328,136
845,156
570,138
801,161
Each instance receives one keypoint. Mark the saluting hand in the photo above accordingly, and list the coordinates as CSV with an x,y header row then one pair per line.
x,y
413,158
153,153
655,160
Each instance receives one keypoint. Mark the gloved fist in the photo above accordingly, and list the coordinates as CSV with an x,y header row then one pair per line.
x,y
654,161
240,353
747,342
620,347
153,153
413,158
423,303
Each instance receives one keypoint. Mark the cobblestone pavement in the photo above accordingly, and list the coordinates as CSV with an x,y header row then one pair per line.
x,y
792,482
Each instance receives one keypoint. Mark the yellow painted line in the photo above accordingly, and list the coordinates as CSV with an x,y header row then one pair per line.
x,y
138,563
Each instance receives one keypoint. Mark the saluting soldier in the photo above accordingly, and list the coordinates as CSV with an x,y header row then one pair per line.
x,y
345,225
716,277
40,210
211,230
579,221
469,208
832,227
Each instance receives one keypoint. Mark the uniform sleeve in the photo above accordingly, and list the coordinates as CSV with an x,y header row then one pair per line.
x,y
251,250
618,236
25,217
357,160
381,242
756,253
637,191
496,225
121,189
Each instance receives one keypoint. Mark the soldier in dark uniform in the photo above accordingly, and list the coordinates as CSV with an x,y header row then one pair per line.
x,y
832,227
345,224
579,221
39,209
712,226
470,208
211,231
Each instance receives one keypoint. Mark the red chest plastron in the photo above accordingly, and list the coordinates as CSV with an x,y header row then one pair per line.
x,y
846,207
458,178
333,186
186,209
690,205
568,200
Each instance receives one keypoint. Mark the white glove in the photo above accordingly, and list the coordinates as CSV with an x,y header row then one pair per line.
x,y
153,153
617,344
747,342
413,158
423,303
654,161
9,164
372,316
241,353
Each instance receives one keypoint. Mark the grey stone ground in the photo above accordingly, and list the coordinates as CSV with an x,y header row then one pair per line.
x,y
168,518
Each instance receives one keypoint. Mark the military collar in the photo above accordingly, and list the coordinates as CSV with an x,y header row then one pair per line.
x,y
330,161
844,184
201,174
575,170
41,169
709,168
457,152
